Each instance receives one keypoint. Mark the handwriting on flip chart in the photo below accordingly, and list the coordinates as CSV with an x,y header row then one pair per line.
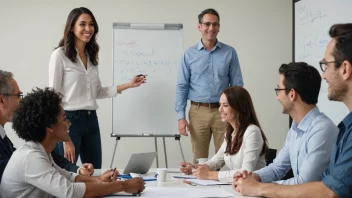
x,y
129,43
134,58
137,53
312,36
310,44
307,16
314,39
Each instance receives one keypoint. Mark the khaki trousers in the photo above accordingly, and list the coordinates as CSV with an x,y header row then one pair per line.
x,y
205,122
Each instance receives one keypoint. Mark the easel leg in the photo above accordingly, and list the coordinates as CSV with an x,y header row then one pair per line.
x,y
165,152
113,155
183,156
157,154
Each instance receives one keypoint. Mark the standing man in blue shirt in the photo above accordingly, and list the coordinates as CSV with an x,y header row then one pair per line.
x,y
206,69
337,179
312,134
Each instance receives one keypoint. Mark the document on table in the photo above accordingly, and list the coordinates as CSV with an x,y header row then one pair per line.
x,y
184,176
203,182
156,192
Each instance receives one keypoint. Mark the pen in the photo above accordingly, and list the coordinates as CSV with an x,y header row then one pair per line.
x,y
133,195
136,194
113,172
139,75
189,182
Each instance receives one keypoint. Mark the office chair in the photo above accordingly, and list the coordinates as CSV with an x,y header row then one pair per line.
x,y
270,156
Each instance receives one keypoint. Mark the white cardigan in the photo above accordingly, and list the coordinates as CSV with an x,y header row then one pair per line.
x,y
247,158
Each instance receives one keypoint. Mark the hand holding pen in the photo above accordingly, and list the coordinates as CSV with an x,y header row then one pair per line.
x,y
113,174
186,168
137,80
109,175
134,185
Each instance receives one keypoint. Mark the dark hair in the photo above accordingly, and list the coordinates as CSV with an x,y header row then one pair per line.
x,y
240,100
208,11
37,111
303,78
68,41
343,46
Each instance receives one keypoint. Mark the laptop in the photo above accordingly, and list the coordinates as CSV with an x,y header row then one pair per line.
x,y
140,163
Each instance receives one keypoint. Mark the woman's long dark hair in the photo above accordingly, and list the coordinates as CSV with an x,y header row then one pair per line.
x,y
240,100
68,41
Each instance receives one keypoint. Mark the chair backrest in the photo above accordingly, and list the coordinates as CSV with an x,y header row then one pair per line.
x,y
270,155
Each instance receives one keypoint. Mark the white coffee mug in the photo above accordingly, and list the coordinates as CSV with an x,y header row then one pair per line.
x,y
201,160
161,174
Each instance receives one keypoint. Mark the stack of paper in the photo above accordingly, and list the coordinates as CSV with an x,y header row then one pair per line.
x,y
203,182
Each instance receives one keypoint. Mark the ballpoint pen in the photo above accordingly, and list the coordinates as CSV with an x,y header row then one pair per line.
x,y
138,194
189,182
113,172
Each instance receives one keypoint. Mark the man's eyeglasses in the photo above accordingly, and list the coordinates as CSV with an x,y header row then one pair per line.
x,y
20,95
323,64
279,89
207,24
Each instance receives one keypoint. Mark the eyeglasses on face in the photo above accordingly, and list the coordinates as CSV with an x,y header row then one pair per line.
x,y
19,95
323,64
207,24
279,89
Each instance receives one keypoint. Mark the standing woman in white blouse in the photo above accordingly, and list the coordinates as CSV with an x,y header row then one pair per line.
x,y
245,143
73,71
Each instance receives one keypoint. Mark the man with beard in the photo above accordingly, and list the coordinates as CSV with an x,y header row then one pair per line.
x,y
337,179
312,134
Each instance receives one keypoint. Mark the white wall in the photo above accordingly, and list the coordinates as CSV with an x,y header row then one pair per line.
x,y
261,32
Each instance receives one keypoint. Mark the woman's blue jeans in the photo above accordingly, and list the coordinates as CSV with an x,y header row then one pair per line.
x,y
85,135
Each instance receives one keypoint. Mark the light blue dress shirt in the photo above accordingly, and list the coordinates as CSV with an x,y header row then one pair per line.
x,y
306,150
204,74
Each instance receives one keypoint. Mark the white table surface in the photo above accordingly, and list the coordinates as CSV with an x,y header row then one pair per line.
x,y
173,182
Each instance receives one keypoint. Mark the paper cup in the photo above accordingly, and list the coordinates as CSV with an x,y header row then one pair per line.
x,y
201,160
161,174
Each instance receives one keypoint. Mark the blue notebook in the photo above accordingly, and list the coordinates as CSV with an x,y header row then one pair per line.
x,y
145,178
124,176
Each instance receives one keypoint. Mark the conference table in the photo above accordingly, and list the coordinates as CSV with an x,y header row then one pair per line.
x,y
177,183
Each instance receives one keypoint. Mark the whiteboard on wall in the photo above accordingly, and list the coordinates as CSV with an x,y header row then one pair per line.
x,y
154,50
312,21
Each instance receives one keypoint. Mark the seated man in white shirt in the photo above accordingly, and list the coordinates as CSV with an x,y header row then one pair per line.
x,y
31,172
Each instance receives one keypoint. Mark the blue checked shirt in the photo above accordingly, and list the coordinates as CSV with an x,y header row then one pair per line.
x,y
338,176
204,74
306,150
